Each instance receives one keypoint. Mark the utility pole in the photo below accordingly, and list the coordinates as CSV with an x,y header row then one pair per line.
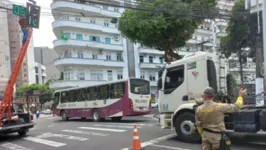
x,y
264,41
259,60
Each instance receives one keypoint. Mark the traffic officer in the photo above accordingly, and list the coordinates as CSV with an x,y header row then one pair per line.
x,y
210,118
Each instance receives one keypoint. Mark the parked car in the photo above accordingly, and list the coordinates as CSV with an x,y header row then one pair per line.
x,y
47,112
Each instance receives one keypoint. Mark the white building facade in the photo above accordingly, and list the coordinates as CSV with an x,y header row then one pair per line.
x,y
94,51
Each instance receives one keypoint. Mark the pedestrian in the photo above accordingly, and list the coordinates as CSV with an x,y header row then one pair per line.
x,y
210,119
37,114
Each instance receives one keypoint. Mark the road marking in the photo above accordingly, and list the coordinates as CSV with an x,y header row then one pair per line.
x,y
102,129
69,137
43,141
168,147
151,142
85,133
114,126
130,124
51,125
14,146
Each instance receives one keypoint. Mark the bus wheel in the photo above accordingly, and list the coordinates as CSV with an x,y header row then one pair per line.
x,y
96,115
186,129
64,116
116,118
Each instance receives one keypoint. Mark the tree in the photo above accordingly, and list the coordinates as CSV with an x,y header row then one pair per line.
x,y
46,96
165,31
240,34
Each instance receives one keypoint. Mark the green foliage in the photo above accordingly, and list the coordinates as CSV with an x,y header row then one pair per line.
x,y
165,31
44,97
240,33
232,89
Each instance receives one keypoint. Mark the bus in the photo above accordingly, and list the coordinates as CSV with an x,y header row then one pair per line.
x,y
126,97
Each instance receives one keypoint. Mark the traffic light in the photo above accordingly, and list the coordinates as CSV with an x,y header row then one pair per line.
x,y
33,15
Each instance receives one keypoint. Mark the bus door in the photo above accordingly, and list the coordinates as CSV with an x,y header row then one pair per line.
x,y
82,102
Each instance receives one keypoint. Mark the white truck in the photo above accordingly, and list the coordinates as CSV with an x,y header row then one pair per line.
x,y
181,84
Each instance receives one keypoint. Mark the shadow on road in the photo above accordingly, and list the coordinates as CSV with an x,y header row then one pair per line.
x,y
239,140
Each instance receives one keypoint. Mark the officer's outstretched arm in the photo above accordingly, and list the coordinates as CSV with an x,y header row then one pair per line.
x,y
198,123
227,108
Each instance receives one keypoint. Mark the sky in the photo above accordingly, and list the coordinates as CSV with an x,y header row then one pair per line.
x,y
43,36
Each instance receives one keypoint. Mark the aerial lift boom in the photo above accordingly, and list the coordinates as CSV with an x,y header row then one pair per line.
x,y
6,102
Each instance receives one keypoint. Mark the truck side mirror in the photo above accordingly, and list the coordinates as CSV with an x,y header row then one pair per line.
x,y
159,83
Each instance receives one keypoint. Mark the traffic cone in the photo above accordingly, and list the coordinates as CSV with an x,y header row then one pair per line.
x,y
136,141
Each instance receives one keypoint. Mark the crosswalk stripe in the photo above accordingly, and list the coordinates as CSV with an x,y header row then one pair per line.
x,y
12,146
128,124
102,129
69,137
85,133
114,126
44,141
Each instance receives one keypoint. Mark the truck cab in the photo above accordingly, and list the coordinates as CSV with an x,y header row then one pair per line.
x,y
181,84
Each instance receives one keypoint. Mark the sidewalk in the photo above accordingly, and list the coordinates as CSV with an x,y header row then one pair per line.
x,y
42,116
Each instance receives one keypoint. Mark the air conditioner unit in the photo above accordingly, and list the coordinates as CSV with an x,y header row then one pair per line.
x,y
116,38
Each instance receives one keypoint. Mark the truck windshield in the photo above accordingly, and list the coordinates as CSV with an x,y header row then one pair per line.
x,y
139,86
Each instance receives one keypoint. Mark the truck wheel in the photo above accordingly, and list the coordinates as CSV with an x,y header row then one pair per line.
x,y
116,118
23,132
96,115
185,128
64,116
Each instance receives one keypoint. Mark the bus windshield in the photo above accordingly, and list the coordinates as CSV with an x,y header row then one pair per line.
x,y
139,86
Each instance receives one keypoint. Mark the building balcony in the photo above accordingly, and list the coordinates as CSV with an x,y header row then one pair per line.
x,y
64,25
84,9
145,65
61,62
145,50
204,32
62,45
245,69
61,84
221,34
153,83
221,23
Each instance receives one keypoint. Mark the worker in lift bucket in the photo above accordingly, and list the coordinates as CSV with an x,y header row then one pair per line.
x,y
210,120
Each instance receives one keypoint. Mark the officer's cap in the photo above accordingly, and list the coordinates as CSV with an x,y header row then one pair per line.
x,y
209,91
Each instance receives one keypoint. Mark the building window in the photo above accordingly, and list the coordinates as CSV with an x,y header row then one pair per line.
x,y
77,18
93,21
79,37
116,9
110,75
67,35
37,79
67,73
96,75
81,75
95,38
161,60
108,57
119,74
150,59
142,75
68,54
108,40
43,80
105,7
80,55
106,23
152,76
94,56
141,59
119,57
36,70
65,18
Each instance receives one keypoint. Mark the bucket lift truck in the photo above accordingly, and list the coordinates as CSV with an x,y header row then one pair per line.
x,y
10,121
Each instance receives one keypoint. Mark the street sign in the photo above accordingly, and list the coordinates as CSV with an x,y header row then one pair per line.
x,y
19,10
33,15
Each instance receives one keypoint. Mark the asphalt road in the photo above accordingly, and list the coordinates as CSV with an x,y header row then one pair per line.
x,y
51,133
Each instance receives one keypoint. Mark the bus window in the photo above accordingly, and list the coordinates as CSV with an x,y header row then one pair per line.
x,y
103,92
139,86
64,97
117,90
82,95
92,93
73,96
